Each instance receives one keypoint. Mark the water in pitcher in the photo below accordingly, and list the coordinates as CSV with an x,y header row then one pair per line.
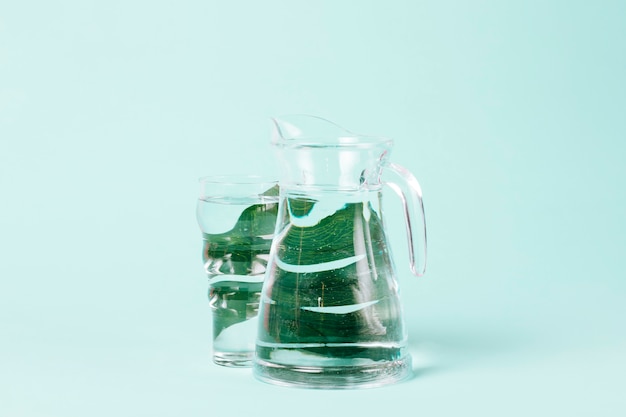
x,y
331,299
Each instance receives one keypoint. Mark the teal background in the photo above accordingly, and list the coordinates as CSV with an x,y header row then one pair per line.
x,y
511,114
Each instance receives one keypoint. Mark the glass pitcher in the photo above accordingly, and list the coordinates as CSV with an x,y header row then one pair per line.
x,y
330,315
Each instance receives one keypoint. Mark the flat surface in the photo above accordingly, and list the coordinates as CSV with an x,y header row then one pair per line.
x,y
510,114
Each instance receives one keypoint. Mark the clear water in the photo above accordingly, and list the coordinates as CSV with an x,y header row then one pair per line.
x,y
237,236
330,300
234,307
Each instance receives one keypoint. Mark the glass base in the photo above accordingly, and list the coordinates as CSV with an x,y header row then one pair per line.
x,y
234,359
334,377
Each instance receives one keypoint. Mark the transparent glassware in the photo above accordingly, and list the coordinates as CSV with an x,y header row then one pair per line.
x,y
237,217
330,315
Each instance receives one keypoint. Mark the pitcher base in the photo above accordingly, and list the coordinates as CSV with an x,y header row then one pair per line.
x,y
334,377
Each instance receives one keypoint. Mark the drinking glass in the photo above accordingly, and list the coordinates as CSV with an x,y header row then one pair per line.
x,y
237,216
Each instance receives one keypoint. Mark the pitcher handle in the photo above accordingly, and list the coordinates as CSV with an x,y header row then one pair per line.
x,y
410,192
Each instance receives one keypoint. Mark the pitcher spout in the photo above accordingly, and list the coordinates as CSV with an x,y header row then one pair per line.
x,y
307,128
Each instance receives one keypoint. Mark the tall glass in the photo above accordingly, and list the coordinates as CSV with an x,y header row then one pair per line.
x,y
237,216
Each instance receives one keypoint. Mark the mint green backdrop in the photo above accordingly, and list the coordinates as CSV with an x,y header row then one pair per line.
x,y
510,113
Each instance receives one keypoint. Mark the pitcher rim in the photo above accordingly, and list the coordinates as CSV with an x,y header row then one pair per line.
x,y
364,142
345,139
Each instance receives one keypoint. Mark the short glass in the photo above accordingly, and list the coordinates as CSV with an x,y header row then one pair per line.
x,y
237,216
